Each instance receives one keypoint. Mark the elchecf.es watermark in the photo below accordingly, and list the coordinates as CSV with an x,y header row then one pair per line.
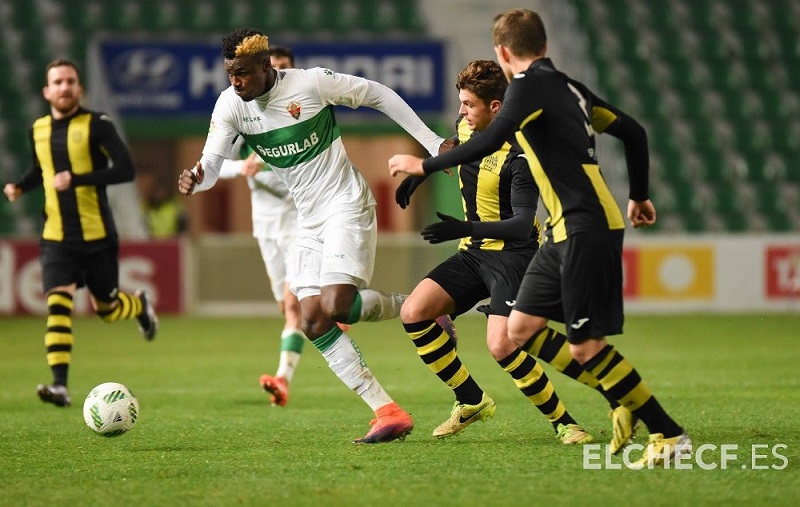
x,y
704,456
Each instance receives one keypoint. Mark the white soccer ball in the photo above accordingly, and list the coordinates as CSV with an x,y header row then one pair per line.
x,y
111,409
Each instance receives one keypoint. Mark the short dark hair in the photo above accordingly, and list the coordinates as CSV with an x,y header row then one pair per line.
x,y
521,31
484,78
244,42
282,52
61,62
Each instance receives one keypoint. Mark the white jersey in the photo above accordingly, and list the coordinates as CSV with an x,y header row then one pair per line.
x,y
293,128
273,211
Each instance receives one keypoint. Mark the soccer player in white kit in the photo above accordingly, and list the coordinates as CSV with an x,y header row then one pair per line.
x,y
287,118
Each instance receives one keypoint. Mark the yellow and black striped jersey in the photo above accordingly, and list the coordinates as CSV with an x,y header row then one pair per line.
x,y
555,118
83,144
490,189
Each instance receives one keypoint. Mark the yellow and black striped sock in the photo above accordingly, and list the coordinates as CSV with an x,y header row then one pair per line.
x,y
59,339
129,306
438,352
552,347
622,381
531,379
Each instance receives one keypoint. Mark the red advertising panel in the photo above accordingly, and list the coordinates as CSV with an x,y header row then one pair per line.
x,y
154,266
782,270
630,273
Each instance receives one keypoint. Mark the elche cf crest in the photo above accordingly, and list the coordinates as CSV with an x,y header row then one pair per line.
x,y
294,109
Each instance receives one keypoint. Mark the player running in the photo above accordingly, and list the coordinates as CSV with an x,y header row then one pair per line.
x,y
287,117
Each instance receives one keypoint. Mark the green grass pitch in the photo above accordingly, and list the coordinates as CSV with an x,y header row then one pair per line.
x,y
207,435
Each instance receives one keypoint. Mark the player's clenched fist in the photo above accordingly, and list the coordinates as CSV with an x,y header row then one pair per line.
x,y
189,178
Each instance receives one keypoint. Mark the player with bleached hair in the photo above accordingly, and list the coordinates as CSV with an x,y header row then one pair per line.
x,y
287,117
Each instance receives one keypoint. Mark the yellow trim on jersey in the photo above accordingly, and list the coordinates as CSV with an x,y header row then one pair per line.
x,y
530,118
42,132
610,208
486,203
78,149
463,133
488,176
487,183
551,201
601,119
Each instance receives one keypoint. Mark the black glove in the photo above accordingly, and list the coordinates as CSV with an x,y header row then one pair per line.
x,y
402,196
449,228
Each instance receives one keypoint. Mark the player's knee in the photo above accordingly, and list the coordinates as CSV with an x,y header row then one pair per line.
x,y
104,310
587,349
411,312
500,348
521,327
337,304
338,313
517,333
291,308
313,328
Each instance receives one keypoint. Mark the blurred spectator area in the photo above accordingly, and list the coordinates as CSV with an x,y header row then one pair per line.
x,y
33,32
717,85
715,82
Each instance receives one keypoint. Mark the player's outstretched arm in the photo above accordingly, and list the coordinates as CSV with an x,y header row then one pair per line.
x,y
387,101
402,195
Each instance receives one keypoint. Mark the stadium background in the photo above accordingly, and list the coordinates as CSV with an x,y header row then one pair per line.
x,y
715,82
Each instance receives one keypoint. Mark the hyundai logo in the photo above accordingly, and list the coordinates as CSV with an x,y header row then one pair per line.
x,y
148,69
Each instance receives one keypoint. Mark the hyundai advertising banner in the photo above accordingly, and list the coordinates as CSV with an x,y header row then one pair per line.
x,y
158,78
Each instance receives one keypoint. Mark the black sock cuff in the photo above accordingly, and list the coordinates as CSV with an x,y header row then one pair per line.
x,y
416,327
509,358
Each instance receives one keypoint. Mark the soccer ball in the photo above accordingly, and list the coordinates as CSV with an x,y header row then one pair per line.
x,y
111,409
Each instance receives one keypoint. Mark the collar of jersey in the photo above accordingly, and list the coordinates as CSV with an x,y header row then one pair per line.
x,y
264,97
543,64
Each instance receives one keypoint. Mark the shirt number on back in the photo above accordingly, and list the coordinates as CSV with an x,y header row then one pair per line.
x,y
582,103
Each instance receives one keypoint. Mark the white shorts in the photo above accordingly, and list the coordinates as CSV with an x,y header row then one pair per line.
x,y
340,250
276,253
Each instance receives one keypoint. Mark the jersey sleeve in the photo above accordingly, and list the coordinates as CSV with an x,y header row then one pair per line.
x,y
108,140
353,91
222,130
230,169
524,191
33,176
610,120
340,89
524,200
517,105
222,133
